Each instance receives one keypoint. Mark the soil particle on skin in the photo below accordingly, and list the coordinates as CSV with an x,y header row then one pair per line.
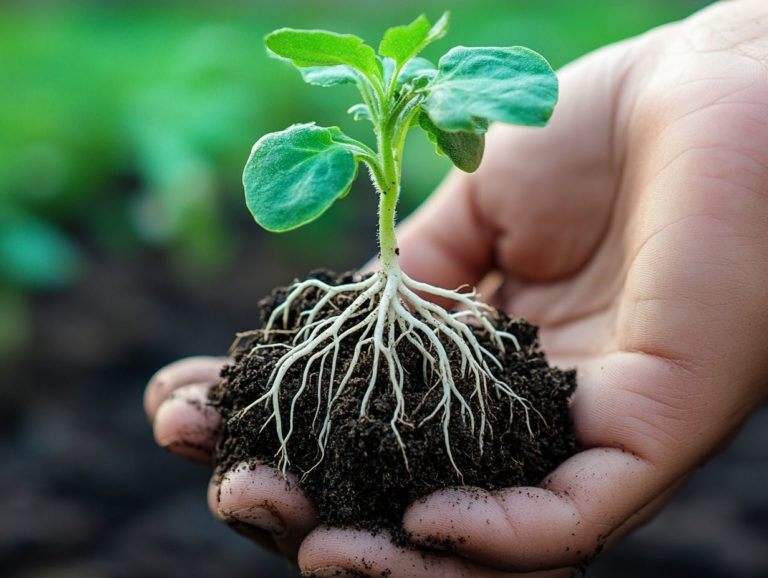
x,y
440,545
362,480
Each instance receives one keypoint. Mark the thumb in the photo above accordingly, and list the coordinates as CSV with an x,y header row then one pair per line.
x,y
538,205
445,243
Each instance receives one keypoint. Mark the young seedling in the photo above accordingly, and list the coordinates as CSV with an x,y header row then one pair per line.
x,y
295,175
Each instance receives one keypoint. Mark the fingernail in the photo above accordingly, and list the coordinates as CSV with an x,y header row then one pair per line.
x,y
261,518
333,572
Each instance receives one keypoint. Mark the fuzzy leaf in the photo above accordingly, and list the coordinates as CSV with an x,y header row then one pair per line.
x,y
474,86
465,149
402,43
415,70
305,48
293,176
439,29
329,75
359,111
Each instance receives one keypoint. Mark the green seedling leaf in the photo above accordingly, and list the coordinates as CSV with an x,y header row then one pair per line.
x,y
476,85
359,111
308,48
440,28
465,149
293,176
416,70
402,43
329,75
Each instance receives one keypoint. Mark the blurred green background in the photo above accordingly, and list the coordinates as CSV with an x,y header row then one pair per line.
x,y
125,125
125,243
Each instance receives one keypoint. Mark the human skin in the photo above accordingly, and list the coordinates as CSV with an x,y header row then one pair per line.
x,y
634,231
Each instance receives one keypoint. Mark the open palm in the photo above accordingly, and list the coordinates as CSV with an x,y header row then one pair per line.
x,y
634,231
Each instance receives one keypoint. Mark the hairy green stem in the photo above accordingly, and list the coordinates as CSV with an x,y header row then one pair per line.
x,y
389,191
391,129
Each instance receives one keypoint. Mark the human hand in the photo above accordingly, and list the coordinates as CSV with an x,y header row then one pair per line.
x,y
254,500
634,231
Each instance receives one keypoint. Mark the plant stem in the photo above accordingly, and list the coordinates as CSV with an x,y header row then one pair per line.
x,y
389,191
391,129
388,251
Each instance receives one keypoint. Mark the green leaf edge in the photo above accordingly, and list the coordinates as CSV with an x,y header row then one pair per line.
x,y
328,205
371,70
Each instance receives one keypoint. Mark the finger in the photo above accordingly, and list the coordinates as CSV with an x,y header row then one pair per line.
x,y
177,374
446,243
643,516
186,423
526,529
259,535
260,497
344,552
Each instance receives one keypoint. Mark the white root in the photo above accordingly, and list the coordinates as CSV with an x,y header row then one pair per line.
x,y
384,310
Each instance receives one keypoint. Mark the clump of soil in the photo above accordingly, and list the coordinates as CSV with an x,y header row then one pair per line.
x,y
363,480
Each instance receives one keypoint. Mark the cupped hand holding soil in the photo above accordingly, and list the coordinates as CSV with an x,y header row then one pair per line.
x,y
633,232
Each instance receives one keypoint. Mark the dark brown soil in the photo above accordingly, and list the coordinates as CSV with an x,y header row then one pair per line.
x,y
363,481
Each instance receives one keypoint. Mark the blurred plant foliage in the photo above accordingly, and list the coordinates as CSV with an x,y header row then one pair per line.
x,y
125,126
